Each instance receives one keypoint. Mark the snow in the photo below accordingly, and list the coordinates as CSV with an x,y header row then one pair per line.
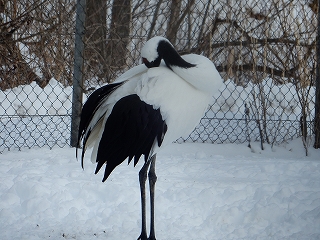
x,y
204,191
53,99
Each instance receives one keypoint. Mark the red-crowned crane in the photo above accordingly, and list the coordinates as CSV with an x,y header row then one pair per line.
x,y
147,107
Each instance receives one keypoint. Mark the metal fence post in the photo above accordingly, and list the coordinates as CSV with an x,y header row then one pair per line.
x,y
317,97
78,71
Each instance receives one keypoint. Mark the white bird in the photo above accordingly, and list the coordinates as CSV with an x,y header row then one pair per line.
x,y
148,107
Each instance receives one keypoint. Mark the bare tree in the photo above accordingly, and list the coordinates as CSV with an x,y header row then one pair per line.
x,y
173,20
14,68
106,46
96,33
176,18
117,45
35,45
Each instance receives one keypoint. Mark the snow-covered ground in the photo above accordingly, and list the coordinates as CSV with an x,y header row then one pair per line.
x,y
204,191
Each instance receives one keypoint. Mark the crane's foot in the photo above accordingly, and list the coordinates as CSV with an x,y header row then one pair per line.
x,y
144,237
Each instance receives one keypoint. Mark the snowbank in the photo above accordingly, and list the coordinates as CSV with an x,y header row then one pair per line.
x,y
54,99
31,116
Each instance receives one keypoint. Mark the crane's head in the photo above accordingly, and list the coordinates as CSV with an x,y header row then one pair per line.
x,y
195,69
153,51
158,48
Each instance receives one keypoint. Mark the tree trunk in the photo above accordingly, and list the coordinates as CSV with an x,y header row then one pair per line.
x,y
118,37
95,36
172,23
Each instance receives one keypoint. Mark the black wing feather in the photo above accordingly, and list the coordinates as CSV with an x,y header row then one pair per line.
x,y
91,105
130,131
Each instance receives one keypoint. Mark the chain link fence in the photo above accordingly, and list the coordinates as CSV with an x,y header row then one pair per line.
x,y
265,52
36,69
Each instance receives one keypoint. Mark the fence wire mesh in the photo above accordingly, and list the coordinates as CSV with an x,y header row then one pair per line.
x,y
264,50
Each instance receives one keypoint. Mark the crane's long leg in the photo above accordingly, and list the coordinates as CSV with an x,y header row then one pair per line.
x,y
142,180
152,181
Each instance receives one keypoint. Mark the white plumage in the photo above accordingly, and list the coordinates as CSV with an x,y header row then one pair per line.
x,y
147,107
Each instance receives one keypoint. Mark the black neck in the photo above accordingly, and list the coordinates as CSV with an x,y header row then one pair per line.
x,y
171,57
